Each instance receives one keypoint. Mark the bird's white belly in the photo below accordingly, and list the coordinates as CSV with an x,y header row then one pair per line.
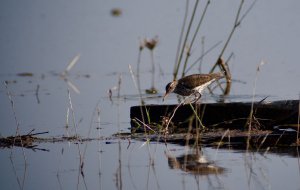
x,y
202,87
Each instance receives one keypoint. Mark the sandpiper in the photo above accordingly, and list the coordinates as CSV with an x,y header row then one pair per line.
x,y
192,84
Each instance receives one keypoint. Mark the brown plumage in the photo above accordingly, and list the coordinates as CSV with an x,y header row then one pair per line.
x,y
192,84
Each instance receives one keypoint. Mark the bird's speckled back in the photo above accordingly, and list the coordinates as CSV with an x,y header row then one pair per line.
x,y
195,80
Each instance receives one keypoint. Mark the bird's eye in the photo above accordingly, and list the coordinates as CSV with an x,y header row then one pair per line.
x,y
168,87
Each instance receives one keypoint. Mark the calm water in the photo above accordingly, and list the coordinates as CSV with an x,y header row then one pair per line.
x,y
43,37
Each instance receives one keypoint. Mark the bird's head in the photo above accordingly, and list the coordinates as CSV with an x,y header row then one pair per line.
x,y
170,88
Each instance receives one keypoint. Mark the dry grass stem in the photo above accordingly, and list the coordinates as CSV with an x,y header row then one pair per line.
x,y
145,125
17,136
174,111
72,112
251,116
137,86
151,44
137,83
262,142
183,102
220,142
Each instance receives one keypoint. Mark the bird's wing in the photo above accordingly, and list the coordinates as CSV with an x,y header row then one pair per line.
x,y
195,80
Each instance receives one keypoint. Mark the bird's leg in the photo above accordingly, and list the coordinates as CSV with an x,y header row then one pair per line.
x,y
197,96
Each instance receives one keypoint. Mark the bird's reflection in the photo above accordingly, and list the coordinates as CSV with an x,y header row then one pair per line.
x,y
194,163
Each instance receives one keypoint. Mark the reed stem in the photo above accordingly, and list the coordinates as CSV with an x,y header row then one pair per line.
x,y
193,39
185,40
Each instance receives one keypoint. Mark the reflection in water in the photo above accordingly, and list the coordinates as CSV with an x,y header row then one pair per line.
x,y
64,74
194,163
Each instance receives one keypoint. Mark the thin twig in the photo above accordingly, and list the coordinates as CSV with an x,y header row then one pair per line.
x,y
202,55
147,126
298,126
237,22
199,24
153,69
194,37
262,142
15,172
220,142
252,103
81,156
16,136
174,111
119,85
176,65
137,83
203,127
95,112
185,40
247,11
235,25
9,95
73,113
37,94
67,121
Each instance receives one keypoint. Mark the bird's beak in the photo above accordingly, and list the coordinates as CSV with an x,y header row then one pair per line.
x,y
166,94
